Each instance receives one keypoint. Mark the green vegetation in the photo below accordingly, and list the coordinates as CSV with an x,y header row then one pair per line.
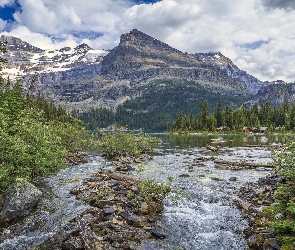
x,y
35,136
150,189
282,214
280,119
123,143
97,118
158,103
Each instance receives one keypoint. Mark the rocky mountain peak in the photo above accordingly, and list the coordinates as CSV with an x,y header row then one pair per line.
x,y
135,35
16,44
140,40
84,47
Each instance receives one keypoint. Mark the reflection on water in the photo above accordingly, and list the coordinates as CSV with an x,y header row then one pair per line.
x,y
198,140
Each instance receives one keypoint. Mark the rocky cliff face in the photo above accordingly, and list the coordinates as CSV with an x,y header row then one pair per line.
x,y
140,58
276,94
83,78
226,65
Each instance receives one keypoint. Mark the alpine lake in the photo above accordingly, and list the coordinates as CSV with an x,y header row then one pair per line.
x,y
205,216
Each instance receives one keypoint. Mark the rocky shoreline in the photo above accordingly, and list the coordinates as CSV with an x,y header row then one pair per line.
x,y
253,198
119,216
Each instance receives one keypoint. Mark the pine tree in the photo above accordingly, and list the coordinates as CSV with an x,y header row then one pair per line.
x,y
219,115
204,115
179,121
228,117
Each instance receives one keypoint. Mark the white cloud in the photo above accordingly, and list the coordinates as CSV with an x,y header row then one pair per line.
x,y
2,24
40,40
192,26
6,2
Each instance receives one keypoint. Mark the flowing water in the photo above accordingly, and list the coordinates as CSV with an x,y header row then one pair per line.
x,y
205,218
55,210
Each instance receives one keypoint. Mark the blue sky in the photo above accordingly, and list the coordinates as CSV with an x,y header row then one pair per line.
x,y
257,35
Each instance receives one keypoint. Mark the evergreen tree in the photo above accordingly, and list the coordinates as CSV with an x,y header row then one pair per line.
x,y
204,115
219,115
228,117
179,121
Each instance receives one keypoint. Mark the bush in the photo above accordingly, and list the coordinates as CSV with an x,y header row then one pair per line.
x,y
120,143
32,145
150,189
284,225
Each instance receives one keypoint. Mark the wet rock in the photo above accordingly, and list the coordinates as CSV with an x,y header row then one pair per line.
x,y
88,237
109,210
184,175
268,234
255,196
133,220
72,244
244,205
21,198
150,245
255,241
158,232
270,244
119,216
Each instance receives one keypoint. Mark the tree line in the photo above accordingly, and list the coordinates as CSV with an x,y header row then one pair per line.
x,y
280,118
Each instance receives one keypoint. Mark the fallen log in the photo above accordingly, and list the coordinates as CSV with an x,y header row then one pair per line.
x,y
213,149
245,164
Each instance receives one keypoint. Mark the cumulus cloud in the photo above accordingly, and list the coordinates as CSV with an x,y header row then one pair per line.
x,y
6,2
40,40
284,4
2,24
256,34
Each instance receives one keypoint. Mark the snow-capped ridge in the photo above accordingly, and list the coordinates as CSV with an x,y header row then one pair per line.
x,y
24,58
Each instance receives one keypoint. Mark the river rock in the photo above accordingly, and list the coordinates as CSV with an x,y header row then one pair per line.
x,y
21,197
119,217
270,244
158,232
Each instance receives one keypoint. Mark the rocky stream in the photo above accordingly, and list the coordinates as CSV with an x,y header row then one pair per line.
x,y
97,205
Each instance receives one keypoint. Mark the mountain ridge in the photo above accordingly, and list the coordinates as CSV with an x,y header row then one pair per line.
x,y
82,78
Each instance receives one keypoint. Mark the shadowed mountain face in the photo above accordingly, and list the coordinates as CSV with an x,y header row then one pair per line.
x,y
135,76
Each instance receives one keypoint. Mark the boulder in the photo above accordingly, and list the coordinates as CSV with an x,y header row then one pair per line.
x,y
271,244
21,197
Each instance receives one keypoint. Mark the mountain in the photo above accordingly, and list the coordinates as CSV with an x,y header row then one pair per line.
x,y
143,80
276,94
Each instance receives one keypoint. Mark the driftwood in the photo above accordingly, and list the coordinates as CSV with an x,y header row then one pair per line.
x,y
213,149
245,164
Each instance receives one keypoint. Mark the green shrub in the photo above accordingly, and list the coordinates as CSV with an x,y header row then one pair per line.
x,y
284,224
31,144
121,143
150,189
